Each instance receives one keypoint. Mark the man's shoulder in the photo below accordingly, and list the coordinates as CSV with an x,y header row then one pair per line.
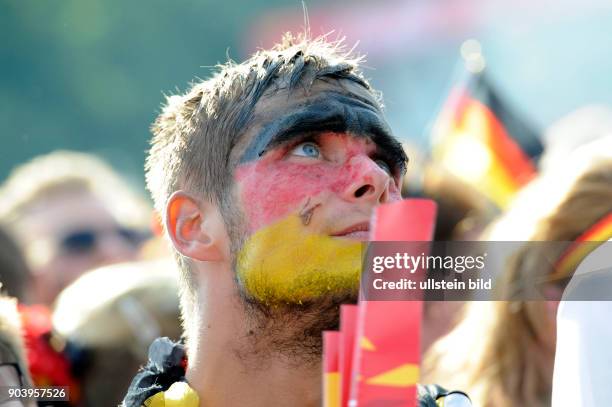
x,y
164,376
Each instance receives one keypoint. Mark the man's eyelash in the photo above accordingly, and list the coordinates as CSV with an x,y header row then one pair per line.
x,y
301,140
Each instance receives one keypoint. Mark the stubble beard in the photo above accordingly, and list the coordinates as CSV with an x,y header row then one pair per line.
x,y
291,332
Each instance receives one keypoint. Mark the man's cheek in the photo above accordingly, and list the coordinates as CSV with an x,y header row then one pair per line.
x,y
271,270
271,192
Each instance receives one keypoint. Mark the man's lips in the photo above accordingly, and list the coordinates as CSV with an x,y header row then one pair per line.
x,y
359,231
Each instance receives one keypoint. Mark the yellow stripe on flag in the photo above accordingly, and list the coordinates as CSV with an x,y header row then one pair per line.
x,y
403,376
467,154
367,345
331,389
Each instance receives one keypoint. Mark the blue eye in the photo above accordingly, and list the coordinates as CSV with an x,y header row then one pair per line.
x,y
307,149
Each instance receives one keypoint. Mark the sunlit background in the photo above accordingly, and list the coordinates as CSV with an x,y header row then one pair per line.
x,y
90,75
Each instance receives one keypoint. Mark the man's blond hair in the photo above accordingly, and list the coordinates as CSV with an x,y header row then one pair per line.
x,y
506,358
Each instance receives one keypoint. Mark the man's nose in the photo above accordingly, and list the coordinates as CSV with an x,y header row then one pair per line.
x,y
370,183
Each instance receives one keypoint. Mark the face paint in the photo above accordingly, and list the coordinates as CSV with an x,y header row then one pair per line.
x,y
329,112
306,212
283,264
273,187
289,256
295,203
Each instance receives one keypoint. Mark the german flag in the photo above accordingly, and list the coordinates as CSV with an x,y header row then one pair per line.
x,y
477,138
348,328
386,357
590,240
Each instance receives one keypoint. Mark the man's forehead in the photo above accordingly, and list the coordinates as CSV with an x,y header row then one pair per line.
x,y
340,106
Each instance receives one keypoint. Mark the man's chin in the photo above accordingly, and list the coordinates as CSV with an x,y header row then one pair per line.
x,y
324,302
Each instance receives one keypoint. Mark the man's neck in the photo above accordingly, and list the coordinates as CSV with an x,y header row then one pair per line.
x,y
224,380
231,366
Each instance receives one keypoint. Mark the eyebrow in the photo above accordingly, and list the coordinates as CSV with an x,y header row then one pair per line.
x,y
330,112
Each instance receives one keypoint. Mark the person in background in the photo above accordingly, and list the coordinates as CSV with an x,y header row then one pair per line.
x,y
70,212
583,355
509,346
15,275
13,367
463,213
581,126
110,316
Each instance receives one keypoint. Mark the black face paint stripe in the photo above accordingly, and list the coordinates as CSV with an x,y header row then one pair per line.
x,y
331,111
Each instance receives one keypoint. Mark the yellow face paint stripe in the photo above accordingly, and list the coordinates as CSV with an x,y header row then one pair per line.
x,y
283,264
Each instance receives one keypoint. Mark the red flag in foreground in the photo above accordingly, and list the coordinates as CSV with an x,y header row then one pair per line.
x,y
387,344
331,371
348,329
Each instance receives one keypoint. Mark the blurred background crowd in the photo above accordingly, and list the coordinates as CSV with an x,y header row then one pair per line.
x,y
511,134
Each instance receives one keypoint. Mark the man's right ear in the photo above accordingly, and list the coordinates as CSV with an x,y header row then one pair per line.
x,y
196,227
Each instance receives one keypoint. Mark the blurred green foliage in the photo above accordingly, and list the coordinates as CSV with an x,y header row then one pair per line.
x,y
90,74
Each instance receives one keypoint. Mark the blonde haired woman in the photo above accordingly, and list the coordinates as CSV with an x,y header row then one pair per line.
x,y
507,348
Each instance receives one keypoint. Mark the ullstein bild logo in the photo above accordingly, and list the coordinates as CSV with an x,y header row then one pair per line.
x,y
431,284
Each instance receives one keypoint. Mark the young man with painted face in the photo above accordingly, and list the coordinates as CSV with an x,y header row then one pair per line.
x,y
266,175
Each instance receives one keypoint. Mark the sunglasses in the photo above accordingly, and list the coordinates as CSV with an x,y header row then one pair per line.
x,y
86,240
